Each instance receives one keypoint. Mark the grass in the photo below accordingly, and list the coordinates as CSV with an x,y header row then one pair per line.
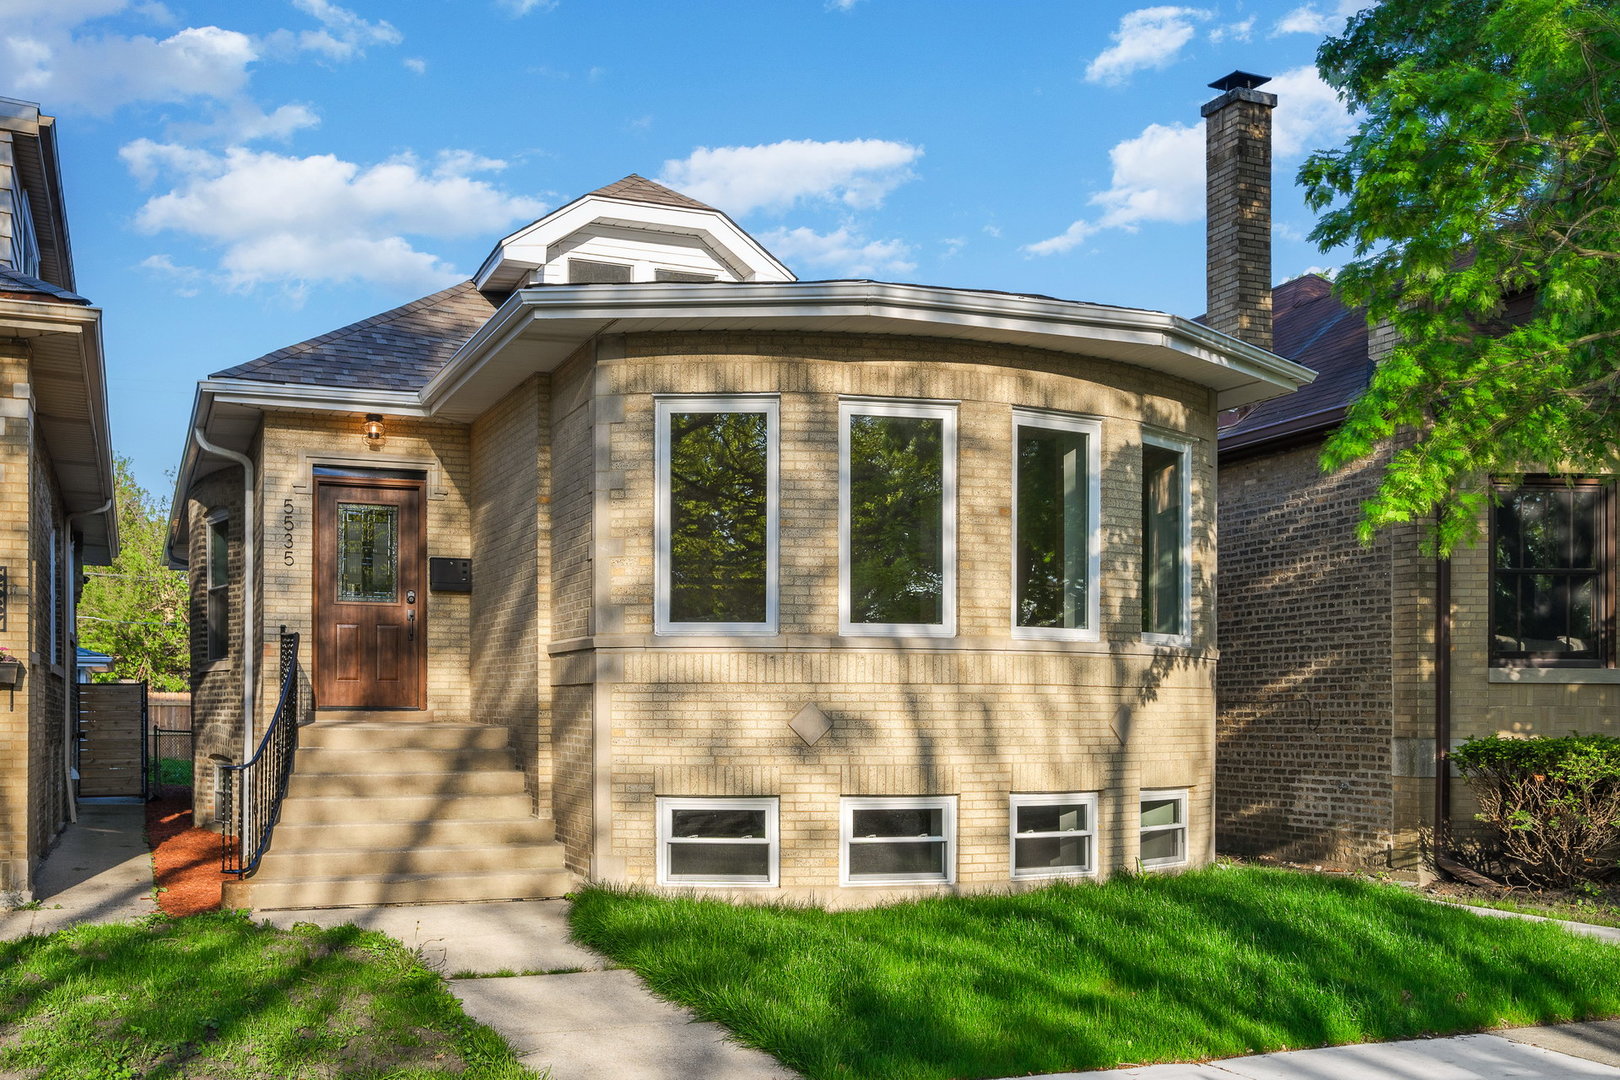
x,y
1580,910
1202,965
174,772
220,996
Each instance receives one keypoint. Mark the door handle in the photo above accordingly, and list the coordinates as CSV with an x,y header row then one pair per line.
x,y
410,621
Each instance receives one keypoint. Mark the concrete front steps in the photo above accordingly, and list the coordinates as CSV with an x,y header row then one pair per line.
x,y
404,811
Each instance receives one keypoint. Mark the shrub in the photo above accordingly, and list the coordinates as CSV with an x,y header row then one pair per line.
x,y
1553,805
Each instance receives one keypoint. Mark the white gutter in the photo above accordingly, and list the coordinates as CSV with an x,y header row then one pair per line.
x,y
71,607
249,566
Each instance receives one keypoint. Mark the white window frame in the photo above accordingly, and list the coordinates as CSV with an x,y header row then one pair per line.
x,y
772,807
1179,795
916,410
846,836
1091,428
664,408
1184,448
1086,799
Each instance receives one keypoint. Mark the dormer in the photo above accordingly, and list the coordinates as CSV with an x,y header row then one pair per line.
x,y
631,231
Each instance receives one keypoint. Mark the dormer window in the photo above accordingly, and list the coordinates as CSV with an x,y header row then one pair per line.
x,y
585,272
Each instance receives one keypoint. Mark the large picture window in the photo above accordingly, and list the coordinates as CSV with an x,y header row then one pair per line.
x,y
717,841
1552,573
717,515
897,518
898,840
1055,526
1166,542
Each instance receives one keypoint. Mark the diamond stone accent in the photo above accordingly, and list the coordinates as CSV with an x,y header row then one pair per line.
x,y
810,724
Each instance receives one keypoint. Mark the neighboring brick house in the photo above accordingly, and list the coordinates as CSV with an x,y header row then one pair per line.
x,y
1331,687
56,486
772,585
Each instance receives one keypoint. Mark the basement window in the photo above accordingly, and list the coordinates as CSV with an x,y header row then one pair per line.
x,y
717,841
1164,829
1053,835
898,840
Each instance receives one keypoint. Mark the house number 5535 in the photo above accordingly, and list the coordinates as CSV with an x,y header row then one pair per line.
x,y
289,519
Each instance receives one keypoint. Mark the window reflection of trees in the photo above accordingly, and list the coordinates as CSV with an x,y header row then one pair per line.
x,y
719,526
1051,528
896,520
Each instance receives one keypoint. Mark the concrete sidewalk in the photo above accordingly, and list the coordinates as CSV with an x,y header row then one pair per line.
x,y
99,870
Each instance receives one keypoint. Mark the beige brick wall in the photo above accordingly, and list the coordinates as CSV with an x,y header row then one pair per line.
x,y
976,716
33,797
216,685
510,603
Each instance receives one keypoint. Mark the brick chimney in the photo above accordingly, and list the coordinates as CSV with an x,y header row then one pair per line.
x,y
1237,155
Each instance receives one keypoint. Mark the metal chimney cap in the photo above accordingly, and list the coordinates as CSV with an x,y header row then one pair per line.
x,y
1240,80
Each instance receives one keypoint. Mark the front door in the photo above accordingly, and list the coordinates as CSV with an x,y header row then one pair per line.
x,y
370,637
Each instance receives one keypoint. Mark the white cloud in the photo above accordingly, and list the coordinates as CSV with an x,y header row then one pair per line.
x,y
241,121
1238,31
415,64
845,250
1159,174
1309,19
859,173
841,5
523,7
98,74
343,34
188,280
284,220
1147,38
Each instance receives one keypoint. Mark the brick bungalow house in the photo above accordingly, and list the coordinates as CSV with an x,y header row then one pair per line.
x,y
1344,667
56,488
765,586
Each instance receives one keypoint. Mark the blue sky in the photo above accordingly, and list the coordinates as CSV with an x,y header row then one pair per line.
x,y
243,176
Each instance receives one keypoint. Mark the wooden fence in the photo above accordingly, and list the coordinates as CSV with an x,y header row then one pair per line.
x,y
110,732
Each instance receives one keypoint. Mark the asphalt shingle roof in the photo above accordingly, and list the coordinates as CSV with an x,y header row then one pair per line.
x,y
639,189
13,283
1310,327
399,349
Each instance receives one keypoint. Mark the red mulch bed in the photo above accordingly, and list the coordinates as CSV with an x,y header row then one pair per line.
x,y
185,860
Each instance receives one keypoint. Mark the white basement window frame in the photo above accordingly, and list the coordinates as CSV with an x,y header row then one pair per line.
x,y
944,838
1053,820
945,413
666,408
1089,489
1176,799
1183,449
668,868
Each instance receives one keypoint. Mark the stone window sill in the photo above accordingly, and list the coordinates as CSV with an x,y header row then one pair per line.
x,y
1554,675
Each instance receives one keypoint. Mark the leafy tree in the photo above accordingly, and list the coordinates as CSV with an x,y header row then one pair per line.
x,y
1480,198
718,520
137,610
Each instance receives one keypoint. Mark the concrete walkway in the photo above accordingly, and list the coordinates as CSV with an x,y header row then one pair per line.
x,y
584,1020
100,870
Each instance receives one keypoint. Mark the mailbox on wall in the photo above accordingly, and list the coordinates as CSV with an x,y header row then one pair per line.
x,y
449,575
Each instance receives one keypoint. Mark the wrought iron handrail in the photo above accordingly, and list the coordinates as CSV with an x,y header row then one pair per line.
x,y
252,792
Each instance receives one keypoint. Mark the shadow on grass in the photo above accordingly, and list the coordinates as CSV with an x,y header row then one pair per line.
x,y
222,994
1165,968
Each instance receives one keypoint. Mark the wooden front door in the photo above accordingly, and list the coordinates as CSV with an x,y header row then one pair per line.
x,y
370,632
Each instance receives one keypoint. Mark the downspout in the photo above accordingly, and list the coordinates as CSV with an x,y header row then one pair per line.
x,y
249,567
70,607
1442,706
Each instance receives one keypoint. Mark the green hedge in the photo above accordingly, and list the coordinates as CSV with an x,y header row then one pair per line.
x,y
1552,805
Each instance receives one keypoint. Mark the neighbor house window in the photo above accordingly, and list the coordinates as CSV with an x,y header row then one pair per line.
x,y
1055,526
897,518
717,841
1166,542
1552,573
1164,829
219,586
716,515
1052,835
898,841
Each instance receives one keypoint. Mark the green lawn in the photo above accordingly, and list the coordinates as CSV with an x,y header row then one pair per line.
x,y
1201,965
219,996
174,772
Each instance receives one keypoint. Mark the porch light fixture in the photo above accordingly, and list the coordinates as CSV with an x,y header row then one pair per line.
x,y
373,430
